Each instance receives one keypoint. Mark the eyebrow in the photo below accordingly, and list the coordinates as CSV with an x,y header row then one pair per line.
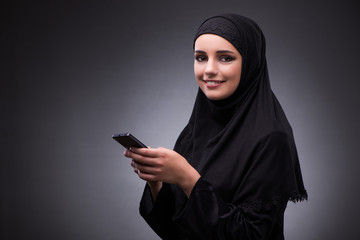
x,y
220,51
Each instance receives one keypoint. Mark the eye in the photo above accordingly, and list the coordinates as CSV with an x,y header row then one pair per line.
x,y
226,58
200,58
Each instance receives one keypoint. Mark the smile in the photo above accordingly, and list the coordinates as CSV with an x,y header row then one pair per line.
x,y
213,83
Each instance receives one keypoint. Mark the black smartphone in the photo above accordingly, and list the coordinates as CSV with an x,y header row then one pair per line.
x,y
128,140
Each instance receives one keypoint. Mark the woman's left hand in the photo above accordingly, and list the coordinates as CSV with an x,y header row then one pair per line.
x,y
165,165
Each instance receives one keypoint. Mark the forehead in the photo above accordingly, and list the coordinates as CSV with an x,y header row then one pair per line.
x,y
212,42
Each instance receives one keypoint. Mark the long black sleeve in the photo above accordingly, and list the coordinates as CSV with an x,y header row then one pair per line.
x,y
159,214
206,215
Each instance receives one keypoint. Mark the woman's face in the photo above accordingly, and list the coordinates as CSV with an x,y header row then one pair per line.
x,y
217,66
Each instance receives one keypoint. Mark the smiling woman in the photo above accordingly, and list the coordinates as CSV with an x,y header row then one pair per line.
x,y
217,66
234,166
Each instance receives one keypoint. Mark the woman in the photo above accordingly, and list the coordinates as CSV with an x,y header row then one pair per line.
x,y
235,165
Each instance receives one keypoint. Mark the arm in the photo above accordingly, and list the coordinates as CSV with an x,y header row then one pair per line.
x,y
159,167
159,214
258,204
207,216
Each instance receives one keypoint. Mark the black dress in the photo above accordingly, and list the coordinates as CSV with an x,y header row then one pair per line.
x,y
244,150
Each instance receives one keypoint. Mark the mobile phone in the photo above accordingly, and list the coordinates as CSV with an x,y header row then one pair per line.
x,y
128,140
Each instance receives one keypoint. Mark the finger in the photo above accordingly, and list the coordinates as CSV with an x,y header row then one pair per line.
x,y
139,159
130,154
127,153
146,152
134,167
146,176
148,169
142,167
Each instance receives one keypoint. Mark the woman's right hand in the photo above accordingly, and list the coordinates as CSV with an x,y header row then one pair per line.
x,y
163,165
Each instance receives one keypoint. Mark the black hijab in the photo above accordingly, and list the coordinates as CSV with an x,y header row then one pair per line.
x,y
243,145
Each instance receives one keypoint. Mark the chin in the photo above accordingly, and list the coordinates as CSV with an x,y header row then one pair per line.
x,y
215,97
215,94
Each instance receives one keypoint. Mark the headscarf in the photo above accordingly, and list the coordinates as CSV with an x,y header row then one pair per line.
x,y
243,145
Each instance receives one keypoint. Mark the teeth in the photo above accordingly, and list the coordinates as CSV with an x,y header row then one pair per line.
x,y
212,83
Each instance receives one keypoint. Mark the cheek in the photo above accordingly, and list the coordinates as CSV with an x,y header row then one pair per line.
x,y
234,73
198,71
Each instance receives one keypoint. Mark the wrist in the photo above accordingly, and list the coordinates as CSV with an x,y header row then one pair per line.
x,y
189,180
155,185
155,188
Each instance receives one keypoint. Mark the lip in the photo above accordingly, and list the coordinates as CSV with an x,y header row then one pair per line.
x,y
218,83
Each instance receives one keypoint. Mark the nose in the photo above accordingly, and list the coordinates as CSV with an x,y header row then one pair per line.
x,y
211,67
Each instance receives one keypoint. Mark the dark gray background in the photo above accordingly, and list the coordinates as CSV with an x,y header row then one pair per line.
x,y
73,73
